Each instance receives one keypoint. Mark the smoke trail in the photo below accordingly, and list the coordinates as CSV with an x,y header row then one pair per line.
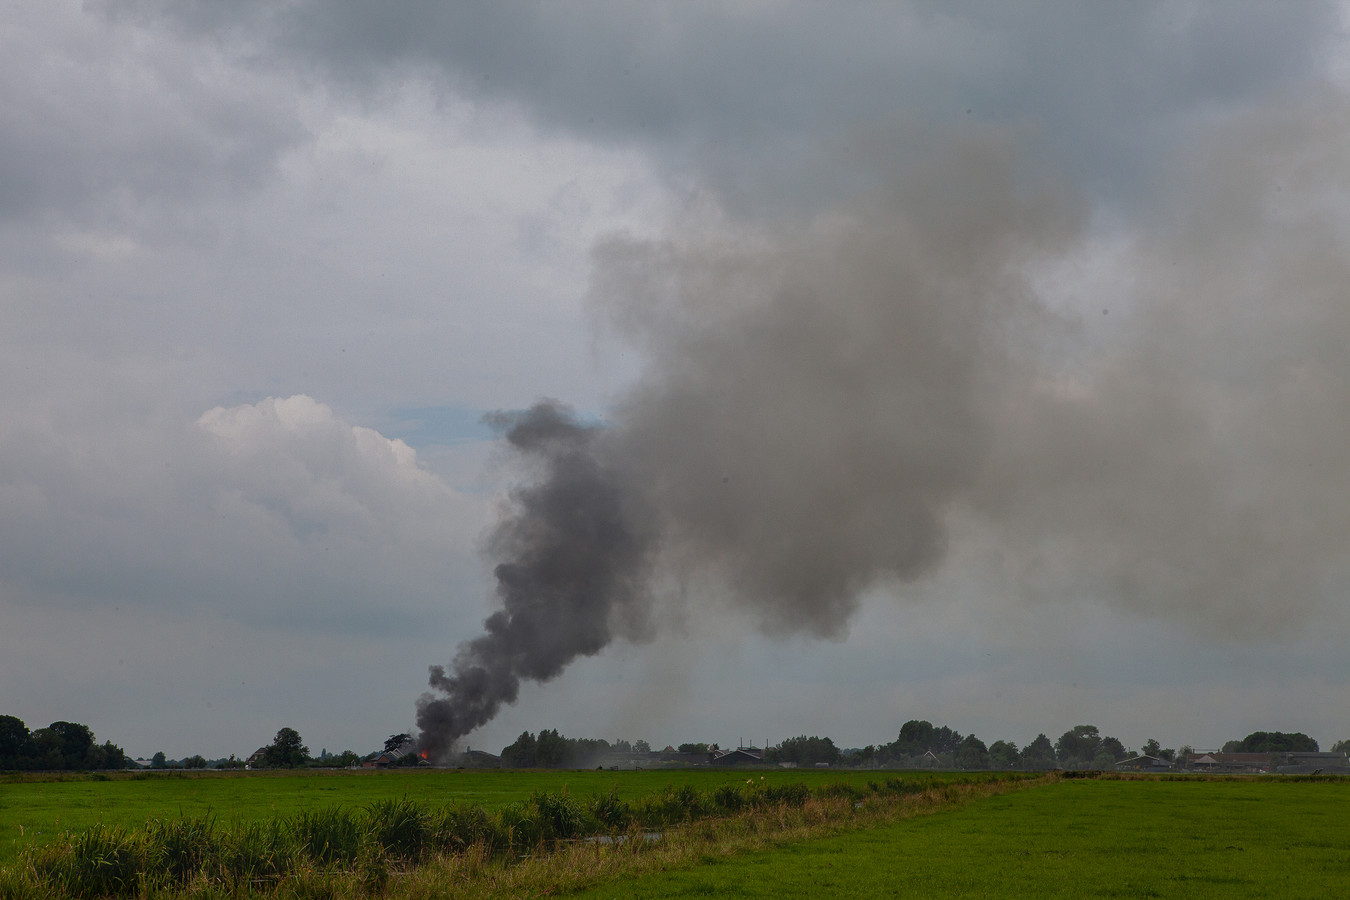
x,y
826,400
811,410
573,570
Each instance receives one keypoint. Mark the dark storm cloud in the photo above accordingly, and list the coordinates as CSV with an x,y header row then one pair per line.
x,y
747,93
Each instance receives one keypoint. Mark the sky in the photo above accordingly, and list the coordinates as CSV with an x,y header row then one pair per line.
x,y
972,362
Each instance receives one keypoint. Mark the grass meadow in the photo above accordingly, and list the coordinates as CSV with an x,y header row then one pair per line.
x,y
36,809
1072,838
718,833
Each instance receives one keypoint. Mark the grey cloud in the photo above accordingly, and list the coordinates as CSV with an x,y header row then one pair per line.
x,y
746,94
276,512
100,118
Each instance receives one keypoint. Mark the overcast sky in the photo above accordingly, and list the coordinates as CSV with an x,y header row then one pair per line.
x,y
980,362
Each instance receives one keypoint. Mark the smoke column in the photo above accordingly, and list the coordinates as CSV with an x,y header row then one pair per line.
x,y
573,566
828,401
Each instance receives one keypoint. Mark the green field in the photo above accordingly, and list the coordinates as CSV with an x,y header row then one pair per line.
x,y
1075,838
1126,837
34,810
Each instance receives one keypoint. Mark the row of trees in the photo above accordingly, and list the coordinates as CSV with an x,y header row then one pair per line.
x,y
919,744
61,745
550,750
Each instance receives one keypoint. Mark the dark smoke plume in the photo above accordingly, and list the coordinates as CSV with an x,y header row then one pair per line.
x,y
828,402
573,569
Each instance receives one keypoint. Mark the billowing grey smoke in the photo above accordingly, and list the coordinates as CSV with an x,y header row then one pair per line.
x,y
573,566
830,403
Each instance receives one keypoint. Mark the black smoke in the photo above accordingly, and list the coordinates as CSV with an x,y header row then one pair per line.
x,y
841,402
573,564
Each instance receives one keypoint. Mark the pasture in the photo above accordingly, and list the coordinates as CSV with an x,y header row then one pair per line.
x,y
1273,837
35,809
957,837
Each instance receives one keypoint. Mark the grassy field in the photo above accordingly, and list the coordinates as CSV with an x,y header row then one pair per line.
x,y
958,837
1075,838
35,809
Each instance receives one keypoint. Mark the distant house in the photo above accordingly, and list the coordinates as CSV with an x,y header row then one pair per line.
x,y
1214,761
256,758
741,756
480,759
1299,763
1144,763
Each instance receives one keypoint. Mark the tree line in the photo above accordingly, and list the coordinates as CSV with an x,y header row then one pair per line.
x,y
72,746
59,746
919,744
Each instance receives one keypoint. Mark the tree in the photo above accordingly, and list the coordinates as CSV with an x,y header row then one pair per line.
x,y
521,754
692,748
1039,754
1004,755
395,742
1273,742
917,737
1079,745
641,746
1104,760
807,751
14,740
159,760
196,761
286,751
1151,748
1341,747
551,749
1113,747
972,754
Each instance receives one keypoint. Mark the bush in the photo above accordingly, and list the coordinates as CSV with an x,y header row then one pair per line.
x,y
792,794
97,862
729,798
610,811
181,848
329,837
399,828
673,805
454,829
260,851
560,817
519,825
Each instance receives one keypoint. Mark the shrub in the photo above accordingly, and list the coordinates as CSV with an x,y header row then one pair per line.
x,y
729,798
610,811
671,806
843,790
257,852
180,848
399,828
333,836
455,829
560,817
791,794
100,861
519,825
